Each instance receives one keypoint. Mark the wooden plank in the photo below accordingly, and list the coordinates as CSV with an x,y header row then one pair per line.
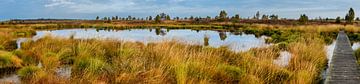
x,y
343,67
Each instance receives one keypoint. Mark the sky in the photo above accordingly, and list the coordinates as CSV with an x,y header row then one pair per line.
x,y
89,9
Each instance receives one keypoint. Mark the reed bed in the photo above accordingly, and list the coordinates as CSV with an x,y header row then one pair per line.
x,y
109,61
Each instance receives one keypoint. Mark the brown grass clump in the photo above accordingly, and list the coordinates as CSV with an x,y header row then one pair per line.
x,y
108,61
309,59
7,59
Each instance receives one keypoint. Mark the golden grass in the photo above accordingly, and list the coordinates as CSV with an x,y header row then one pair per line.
x,y
309,59
310,28
108,61
7,59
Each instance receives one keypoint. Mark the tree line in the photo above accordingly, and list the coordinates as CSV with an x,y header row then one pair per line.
x,y
223,17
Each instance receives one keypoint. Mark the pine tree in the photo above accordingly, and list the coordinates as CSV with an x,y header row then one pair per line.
x,y
150,17
303,19
116,17
162,16
158,19
274,17
208,18
338,20
257,16
235,18
113,18
129,18
191,18
222,16
97,17
168,17
350,16
265,17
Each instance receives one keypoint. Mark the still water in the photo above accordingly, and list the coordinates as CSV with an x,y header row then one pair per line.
x,y
235,41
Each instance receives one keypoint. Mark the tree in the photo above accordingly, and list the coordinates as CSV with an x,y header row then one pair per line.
x,y
113,18
235,18
338,20
257,16
168,17
157,19
191,18
350,16
265,17
129,18
208,18
150,17
162,16
222,16
116,17
97,17
357,19
303,19
274,17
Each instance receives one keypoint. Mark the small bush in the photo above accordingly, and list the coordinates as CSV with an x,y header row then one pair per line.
x,y
27,57
229,73
9,60
283,45
28,72
90,68
10,45
357,54
2,47
5,60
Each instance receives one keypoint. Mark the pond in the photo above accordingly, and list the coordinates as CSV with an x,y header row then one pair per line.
x,y
235,41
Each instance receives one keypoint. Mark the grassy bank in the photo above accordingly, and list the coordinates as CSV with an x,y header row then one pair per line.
x,y
8,37
357,55
108,61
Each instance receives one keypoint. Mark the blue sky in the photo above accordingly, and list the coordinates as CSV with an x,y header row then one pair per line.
x,y
88,9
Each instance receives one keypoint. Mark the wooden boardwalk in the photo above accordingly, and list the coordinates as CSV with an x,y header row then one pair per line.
x,y
343,67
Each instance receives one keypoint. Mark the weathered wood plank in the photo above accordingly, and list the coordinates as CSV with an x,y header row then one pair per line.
x,y
343,67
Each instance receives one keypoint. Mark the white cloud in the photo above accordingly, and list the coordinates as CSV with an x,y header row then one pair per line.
x,y
105,6
54,3
245,8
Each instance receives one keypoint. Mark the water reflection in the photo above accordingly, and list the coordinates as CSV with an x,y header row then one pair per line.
x,y
356,46
234,40
206,40
159,31
222,35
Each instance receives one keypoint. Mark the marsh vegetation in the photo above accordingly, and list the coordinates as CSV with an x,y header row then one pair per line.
x,y
92,60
